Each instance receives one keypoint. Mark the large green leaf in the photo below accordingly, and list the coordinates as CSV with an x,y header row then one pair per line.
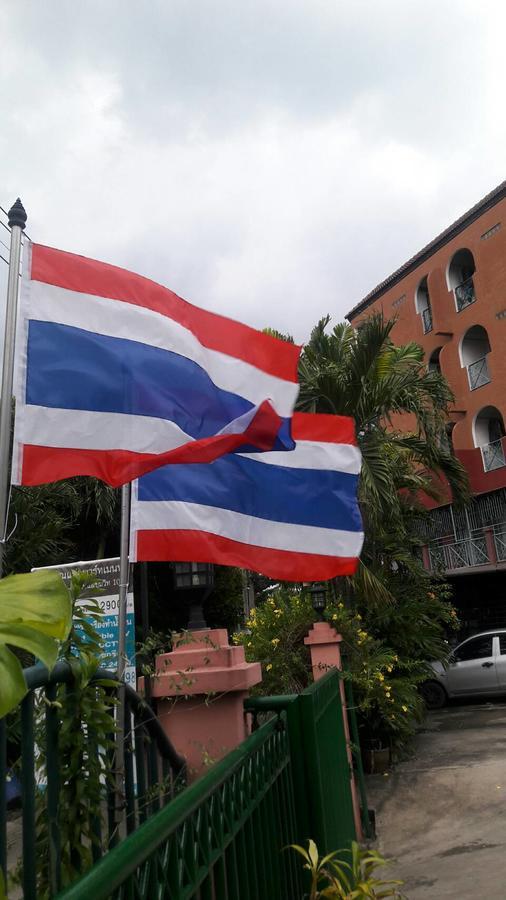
x,y
11,678
35,615
39,600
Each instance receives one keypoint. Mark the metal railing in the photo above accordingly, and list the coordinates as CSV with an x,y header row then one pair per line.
x,y
427,319
492,455
478,374
225,835
464,294
154,773
460,554
500,544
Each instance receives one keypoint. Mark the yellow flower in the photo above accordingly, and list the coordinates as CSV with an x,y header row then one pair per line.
x,y
359,617
334,617
389,668
268,667
340,605
249,644
275,642
404,708
380,676
271,602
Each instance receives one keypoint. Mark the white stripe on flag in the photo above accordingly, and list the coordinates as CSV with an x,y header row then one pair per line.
x,y
89,430
313,455
115,318
174,514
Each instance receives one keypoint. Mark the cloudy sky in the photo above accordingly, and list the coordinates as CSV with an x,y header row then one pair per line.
x,y
272,160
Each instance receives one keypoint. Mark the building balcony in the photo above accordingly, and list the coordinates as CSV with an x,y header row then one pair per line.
x,y
464,294
459,555
493,456
427,320
478,374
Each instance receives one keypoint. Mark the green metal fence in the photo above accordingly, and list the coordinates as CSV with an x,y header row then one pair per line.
x,y
154,773
223,838
316,726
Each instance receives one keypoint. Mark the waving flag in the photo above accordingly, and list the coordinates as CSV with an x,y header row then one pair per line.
x,y
118,375
292,516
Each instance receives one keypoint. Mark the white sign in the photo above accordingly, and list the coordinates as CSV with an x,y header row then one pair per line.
x,y
106,572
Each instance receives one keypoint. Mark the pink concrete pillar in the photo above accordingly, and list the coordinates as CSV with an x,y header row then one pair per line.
x,y
323,642
201,686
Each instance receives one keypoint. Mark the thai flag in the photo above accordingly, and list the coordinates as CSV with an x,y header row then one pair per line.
x,y
292,516
117,375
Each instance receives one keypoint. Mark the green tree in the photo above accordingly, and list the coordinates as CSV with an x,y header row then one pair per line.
x,y
362,374
61,522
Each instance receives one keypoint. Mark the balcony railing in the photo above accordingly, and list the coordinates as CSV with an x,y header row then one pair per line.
x,y
500,544
464,294
478,373
427,319
459,555
493,456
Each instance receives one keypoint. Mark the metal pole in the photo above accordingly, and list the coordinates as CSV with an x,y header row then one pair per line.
x,y
17,222
144,593
122,724
124,573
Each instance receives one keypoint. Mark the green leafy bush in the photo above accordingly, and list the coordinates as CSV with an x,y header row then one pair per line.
x,y
385,652
336,878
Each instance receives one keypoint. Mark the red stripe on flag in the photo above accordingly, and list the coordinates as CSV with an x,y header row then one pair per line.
x,y
201,546
322,427
116,467
88,276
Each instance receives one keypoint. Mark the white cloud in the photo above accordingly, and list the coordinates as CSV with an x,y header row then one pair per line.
x,y
270,160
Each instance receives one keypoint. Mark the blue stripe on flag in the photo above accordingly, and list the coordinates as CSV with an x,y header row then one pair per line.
x,y
70,368
302,497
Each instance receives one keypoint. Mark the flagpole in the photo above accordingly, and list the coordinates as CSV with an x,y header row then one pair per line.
x,y
122,724
17,223
124,573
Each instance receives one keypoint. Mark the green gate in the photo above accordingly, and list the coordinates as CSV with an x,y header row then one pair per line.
x,y
224,837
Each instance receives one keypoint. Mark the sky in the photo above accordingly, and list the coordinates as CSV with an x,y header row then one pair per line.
x,y
271,160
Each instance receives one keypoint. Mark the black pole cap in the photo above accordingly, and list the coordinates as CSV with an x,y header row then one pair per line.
x,y
17,214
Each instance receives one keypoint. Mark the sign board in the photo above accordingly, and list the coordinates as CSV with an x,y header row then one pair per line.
x,y
105,590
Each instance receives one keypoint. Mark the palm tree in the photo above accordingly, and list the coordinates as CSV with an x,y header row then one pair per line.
x,y
362,374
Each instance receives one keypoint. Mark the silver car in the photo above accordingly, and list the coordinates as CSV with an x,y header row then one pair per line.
x,y
475,668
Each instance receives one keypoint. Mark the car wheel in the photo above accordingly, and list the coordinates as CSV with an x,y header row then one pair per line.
x,y
434,694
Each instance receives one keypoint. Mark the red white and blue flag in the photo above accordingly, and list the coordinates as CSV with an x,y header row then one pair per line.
x,y
293,516
117,375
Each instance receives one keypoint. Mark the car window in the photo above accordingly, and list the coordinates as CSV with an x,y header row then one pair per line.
x,y
479,648
502,643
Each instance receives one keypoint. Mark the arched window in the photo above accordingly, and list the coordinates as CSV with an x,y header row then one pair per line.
x,y
434,365
488,432
460,278
422,305
473,353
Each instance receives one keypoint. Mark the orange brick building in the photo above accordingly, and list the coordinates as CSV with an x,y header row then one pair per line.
x,y
451,298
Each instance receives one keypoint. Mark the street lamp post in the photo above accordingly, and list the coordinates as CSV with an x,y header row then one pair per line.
x,y
318,592
198,579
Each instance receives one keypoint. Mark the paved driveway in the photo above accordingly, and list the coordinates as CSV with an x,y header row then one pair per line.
x,y
442,814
